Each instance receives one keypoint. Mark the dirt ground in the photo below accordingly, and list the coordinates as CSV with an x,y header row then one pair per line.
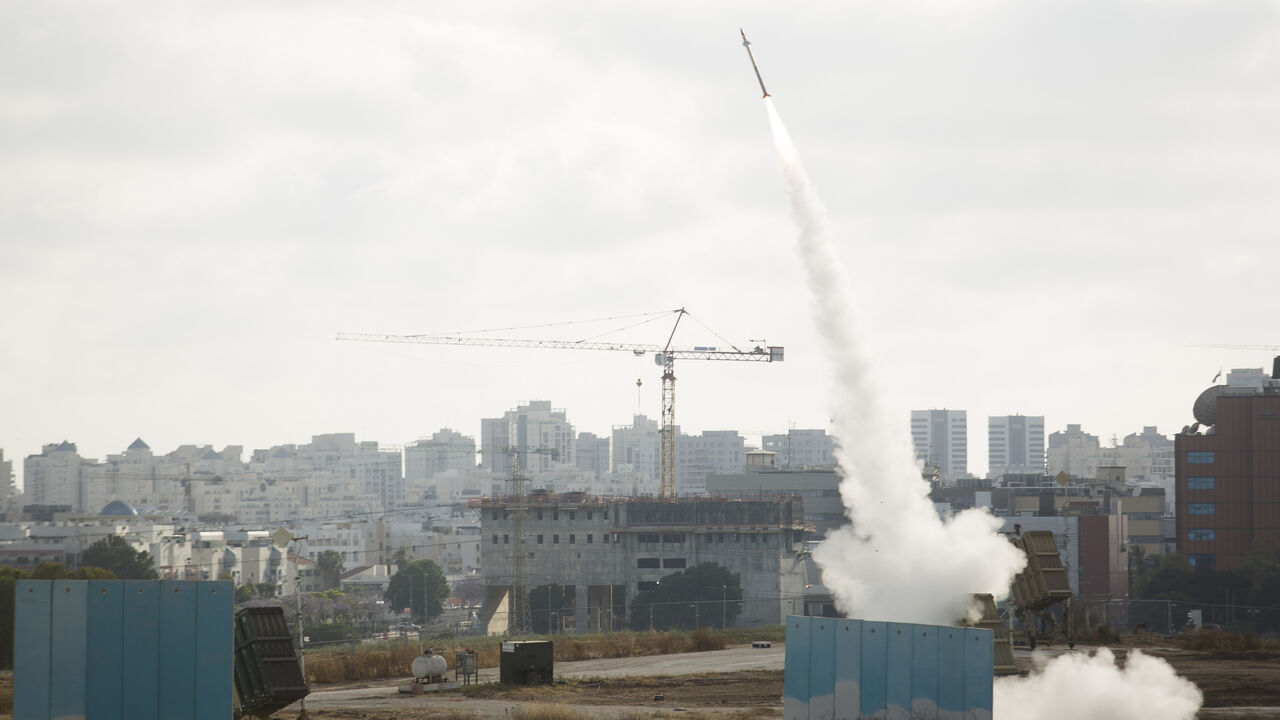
x,y
1235,686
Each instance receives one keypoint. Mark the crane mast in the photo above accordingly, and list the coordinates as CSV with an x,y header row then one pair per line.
x,y
665,356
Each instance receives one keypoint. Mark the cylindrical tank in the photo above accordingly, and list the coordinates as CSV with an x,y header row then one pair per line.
x,y
429,666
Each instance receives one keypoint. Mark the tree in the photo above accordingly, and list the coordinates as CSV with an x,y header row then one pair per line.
x,y
705,595
420,586
114,553
400,558
330,564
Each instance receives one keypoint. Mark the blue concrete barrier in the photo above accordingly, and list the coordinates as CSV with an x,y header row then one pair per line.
x,y
840,669
117,649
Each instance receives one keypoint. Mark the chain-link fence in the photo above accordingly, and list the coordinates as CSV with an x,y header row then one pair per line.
x,y
1169,617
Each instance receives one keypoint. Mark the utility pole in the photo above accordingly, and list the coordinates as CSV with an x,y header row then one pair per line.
x,y
521,620
297,594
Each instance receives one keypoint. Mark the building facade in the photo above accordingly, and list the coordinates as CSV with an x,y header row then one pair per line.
x,y
941,438
801,449
1228,472
602,552
1015,444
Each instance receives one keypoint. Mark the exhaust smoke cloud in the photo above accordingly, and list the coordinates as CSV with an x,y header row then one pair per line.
x,y
1079,686
899,560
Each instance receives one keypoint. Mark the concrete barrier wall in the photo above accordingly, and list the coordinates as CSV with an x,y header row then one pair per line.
x,y
839,669
122,649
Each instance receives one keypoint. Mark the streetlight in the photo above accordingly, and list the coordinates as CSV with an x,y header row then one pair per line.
x,y
723,613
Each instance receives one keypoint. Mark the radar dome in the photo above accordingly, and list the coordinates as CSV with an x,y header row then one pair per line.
x,y
1206,407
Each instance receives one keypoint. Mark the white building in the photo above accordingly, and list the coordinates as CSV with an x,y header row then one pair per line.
x,y
1015,444
593,454
427,458
799,449
634,451
1074,452
941,438
542,436
55,476
719,452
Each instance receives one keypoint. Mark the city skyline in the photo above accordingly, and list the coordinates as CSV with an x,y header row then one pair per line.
x,y
977,465
193,210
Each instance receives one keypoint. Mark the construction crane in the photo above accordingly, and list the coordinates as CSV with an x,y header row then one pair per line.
x,y
665,356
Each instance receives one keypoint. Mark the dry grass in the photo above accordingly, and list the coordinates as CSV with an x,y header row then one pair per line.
x,y
367,662
540,711
391,659
1219,642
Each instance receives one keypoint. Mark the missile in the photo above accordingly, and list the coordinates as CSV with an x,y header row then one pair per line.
x,y
747,44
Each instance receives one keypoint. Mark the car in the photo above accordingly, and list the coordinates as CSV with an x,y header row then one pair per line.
x,y
761,644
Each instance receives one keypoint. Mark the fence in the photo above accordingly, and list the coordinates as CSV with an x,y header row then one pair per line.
x,y
1169,617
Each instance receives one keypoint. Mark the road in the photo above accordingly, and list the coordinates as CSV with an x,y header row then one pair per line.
x,y
385,694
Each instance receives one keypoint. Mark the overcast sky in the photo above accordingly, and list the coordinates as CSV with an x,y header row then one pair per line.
x,y
1040,205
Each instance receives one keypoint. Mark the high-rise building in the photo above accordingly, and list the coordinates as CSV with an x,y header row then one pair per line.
x,y
495,436
1227,470
801,449
445,450
1074,452
635,449
593,454
1015,444
542,436
941,438
714,451
55,477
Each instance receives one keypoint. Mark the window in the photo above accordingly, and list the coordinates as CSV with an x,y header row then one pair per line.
x,y
1199,508
495,514
1200,457
1201,560
1199,483
673,562
539,539
589,538
673,537
1200,534
646,585
606,538
539,514
720,538
648,562
573,539
555,539
572,515
648,537
506,514
495,539
588,514
506,539
555,514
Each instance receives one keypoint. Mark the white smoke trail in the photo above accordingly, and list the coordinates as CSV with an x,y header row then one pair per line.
x,y
898,560
1084,687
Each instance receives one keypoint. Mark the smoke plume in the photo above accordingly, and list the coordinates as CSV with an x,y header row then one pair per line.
x,y
1091,687
897,560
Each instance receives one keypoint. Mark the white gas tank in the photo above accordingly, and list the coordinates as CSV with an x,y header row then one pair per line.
x,y
429,666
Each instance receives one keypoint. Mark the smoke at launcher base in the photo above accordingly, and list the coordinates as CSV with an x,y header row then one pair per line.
x,y
898,560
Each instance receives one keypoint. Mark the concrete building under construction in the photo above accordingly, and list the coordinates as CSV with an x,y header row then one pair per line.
x,y
602,551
